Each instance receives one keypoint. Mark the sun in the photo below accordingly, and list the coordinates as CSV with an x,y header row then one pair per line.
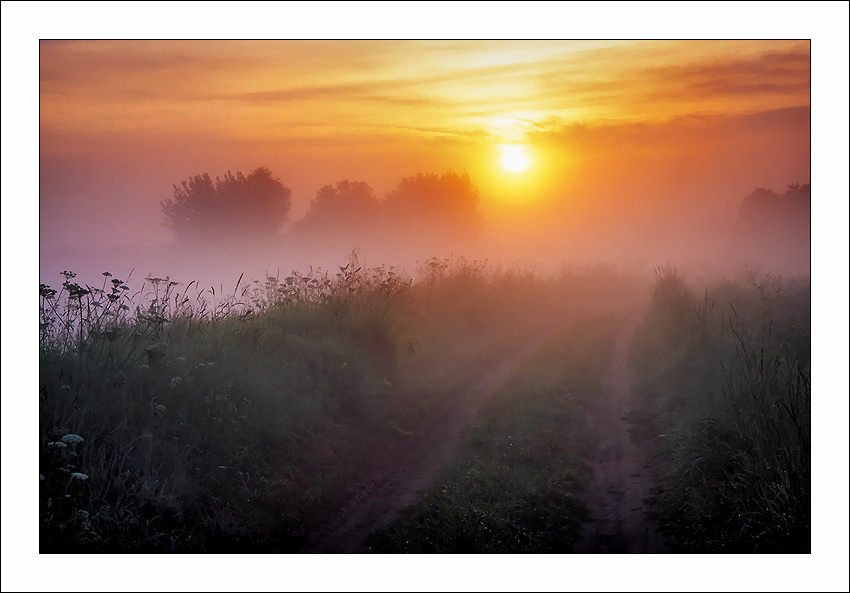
x,y
514,157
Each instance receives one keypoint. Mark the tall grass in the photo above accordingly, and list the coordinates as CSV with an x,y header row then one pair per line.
x,y
205,421
202,420
727,389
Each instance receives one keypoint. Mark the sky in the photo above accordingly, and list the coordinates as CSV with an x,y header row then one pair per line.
x,y
632,146
627,140
121,121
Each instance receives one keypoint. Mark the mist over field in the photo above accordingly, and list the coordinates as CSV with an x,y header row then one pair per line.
x,y
620,182
733,220
414,297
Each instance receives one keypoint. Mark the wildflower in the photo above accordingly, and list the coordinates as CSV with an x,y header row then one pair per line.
x,y
79,476
175,382
65,387
180,359
58,444
72,438
144,366
160,408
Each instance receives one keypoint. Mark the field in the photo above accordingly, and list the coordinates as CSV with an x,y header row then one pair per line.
x,y
460,408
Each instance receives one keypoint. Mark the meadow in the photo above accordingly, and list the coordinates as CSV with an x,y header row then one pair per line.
x,y
174,419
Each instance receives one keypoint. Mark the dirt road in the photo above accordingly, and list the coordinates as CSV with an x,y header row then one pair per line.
x,y
394,483
621,465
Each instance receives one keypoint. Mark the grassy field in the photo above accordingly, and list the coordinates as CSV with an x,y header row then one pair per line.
x,y
173,419
726,393
518,481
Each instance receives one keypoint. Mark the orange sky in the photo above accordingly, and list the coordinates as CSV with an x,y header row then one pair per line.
x,y
697,121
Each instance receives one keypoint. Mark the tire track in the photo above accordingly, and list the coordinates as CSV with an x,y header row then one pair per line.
x,y
621,464
374,502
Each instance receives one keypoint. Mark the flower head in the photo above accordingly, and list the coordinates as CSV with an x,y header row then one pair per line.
x,y
175,382
79,476
58,445
72,438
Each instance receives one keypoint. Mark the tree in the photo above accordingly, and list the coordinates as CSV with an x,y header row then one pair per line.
x,y
233,208
766,209
348,208
449,199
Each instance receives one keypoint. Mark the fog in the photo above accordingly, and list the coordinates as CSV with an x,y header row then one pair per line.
x,y
634,194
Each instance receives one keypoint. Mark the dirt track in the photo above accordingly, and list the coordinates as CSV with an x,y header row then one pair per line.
x,y
394,484
621,463
621,466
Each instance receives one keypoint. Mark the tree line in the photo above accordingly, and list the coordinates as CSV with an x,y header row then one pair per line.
x,y
259,204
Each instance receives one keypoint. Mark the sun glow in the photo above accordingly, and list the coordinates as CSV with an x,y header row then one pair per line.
x,y
514,157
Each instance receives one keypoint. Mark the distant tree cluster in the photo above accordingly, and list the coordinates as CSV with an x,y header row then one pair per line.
x,y
258,205
235,207
766,210
775,229
339,209
434,198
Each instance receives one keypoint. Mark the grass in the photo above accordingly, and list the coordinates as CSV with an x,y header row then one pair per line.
x,y
518,482
726,391
201,421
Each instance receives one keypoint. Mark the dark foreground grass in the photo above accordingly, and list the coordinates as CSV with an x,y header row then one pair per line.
x,y
726,392
518,480
173,419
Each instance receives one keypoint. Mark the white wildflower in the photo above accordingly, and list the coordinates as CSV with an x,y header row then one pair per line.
x,y
58,444
79,476
175,382
144,366
160,408
180,359
65,387
72,438
209,364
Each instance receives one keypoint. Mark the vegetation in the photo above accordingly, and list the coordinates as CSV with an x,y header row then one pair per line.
x,y
349,208
235,207
518,482
173,420
448,199
726,391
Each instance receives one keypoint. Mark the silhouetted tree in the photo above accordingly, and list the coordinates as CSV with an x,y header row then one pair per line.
x,y
349,208
235,207
764,209
449,199
775,229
